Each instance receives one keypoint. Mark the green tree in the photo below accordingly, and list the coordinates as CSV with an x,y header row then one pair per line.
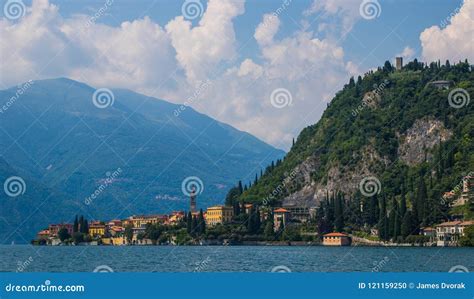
x,y
189,223
408,224
128,233
75,227
468,238
63,234
77,238
383,221
338,214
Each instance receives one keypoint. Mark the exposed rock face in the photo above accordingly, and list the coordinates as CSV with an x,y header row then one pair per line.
x,y
414,145
339,178
421,137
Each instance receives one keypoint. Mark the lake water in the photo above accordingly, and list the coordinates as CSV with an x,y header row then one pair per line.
x,y
232,258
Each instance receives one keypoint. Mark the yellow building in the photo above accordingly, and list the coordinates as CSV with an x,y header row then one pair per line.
x,y
97,230
143,220
219,215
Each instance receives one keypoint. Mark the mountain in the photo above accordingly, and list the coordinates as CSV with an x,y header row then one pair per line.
x,y
393,134
129,155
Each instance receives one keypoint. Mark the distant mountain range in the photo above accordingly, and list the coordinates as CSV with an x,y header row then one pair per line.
x,y
112,155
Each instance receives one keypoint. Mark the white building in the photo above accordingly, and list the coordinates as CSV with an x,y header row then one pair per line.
x,y
448,233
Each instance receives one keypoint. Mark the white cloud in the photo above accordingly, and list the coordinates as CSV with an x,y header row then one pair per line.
x,y
169,62
335,17
267,29
454,42
201,48
408,53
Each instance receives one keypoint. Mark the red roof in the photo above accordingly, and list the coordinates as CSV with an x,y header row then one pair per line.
x,y
335,235
281,210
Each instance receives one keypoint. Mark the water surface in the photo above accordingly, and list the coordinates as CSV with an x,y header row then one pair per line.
x,y
232,258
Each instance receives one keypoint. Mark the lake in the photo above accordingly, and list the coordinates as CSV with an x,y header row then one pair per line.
x,y
29,258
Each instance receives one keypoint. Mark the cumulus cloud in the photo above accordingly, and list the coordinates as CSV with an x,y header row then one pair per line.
x,y
311,69
43,44
201,48
173,60
335,17
453,41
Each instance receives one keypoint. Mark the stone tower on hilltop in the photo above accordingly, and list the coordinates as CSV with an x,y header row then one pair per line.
x,y
399,63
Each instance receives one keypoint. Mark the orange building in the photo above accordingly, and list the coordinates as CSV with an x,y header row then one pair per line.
x,y
336,239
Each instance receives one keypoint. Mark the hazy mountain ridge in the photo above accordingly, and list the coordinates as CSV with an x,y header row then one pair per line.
x,y
52,133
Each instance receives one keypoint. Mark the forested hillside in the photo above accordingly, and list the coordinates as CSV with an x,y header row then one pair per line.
x,y
387,148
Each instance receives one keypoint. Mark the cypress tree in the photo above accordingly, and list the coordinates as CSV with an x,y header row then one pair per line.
x,y
383,221
75,227
407,227
81,224
338,214
194,225
241,189
258,222
86,226
189,223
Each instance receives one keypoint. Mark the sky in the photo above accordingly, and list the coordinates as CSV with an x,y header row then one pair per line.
x,y
268,67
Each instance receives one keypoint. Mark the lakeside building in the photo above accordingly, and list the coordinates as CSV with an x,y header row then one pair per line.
x,y
336,239
448,233
280,218
175,217
138,221
219,215
301,213
429,232
43,235
54,229
115,222
97,229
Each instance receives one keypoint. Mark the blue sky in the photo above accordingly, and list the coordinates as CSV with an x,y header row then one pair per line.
x,y
410,17
304,53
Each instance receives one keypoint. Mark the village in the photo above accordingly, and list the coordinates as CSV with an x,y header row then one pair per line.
x,y
188,228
